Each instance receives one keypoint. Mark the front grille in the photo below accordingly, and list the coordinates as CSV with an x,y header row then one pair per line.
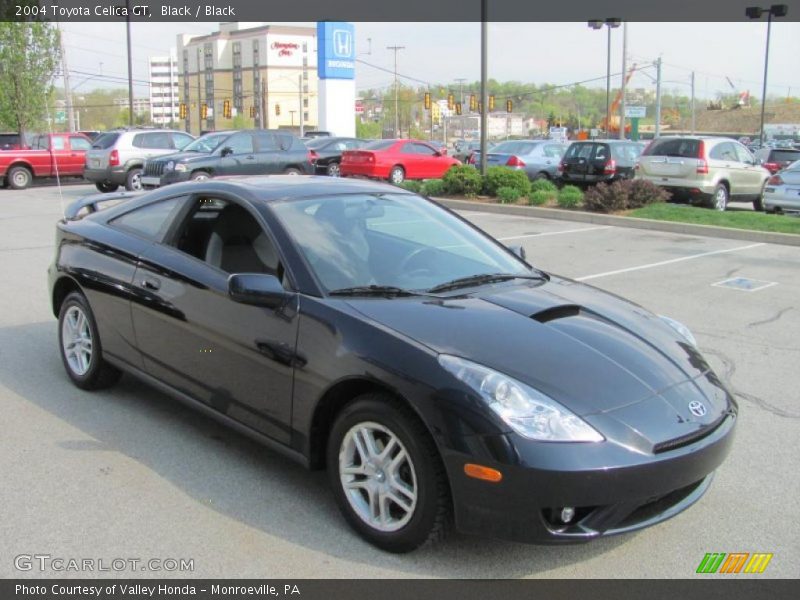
x,y
153,168
689,438
657,506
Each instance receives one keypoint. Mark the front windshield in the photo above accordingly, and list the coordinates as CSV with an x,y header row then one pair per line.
x,y
399,240
208,143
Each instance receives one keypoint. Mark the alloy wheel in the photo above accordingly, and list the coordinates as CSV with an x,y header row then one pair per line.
x,y
378,476
76,340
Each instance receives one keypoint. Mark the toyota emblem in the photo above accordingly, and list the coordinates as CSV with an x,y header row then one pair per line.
x,y
698,409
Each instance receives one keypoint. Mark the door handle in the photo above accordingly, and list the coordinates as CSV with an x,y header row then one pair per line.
x,y
151,284
250,157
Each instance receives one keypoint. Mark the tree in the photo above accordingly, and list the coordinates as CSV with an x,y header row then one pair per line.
x,y
29,56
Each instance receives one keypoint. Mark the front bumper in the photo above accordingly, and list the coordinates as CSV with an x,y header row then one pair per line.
x,y
116,175
170,177
611,488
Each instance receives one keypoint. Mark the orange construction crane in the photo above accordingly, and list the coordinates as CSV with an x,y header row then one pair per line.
x,y
613,127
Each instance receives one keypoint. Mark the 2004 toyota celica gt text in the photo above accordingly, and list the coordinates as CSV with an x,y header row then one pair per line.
x,y
357,327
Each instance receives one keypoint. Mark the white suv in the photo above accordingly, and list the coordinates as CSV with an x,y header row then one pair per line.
x,y
117,157
705,170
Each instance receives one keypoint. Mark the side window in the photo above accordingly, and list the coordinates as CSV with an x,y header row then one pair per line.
x,y
150,221
241,143
138,141
409,148
601,152
742,154
227,237
58,143
425,150
553,151
180,140
266,142
79,143
724,151
157,141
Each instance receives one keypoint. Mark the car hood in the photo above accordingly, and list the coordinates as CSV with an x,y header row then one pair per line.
x,y
593,352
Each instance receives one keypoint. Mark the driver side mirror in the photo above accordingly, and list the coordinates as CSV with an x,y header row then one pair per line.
x,y
257,289
519,250
226,151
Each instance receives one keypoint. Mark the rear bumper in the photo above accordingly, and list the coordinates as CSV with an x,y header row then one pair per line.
x,y
783,199
115,175
363,170
612,490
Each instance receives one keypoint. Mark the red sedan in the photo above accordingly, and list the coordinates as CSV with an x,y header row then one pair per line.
x,y
396,160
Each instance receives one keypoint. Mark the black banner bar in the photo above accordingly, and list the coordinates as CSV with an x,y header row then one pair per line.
x,y
381,10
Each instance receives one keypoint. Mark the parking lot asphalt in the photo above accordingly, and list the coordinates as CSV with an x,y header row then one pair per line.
x,y
129,473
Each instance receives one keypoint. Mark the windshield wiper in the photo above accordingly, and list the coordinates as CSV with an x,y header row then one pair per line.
x,y
482,279
387,291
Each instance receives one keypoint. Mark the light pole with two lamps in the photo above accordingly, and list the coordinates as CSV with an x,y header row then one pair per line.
x,y
611,23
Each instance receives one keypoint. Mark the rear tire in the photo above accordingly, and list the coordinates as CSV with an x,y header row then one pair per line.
x,y
133,181
719,200
333,170
397,496
79,343
106,187
292,171
541,175
19,178
397,175
758,203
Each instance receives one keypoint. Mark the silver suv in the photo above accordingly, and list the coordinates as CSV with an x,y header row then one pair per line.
x,y
117,157
705,170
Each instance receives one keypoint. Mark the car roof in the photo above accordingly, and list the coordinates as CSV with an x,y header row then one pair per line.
x,y
279,187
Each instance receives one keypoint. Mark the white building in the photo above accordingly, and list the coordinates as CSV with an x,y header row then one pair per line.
x,y
164,90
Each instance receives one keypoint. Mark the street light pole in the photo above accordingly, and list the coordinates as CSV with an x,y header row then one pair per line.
x,y
396,91
484,77
130,64
611,23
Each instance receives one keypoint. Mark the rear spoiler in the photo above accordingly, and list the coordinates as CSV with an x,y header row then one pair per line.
x,y
90,204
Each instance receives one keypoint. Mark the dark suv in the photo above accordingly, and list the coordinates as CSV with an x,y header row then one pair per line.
x,y
776,159
589,162
245,152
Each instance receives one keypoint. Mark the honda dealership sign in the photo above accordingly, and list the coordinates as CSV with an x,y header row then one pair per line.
x,y
336,52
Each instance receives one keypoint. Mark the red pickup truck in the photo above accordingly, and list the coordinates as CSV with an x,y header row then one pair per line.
x,y
51,154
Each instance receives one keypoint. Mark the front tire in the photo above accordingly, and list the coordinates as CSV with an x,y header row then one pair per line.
x,y
79,343
199,176
397,175
386,474
333,170
19,178
106,187
133,181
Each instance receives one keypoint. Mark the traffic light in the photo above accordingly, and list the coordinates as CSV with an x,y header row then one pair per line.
x,y
252,112
427,100
473,102
491,102
451,101
277,110
509,106
458,108
204,111
182,111
226,109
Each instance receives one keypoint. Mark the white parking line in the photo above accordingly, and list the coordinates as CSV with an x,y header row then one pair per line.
x,y
668,262
519,237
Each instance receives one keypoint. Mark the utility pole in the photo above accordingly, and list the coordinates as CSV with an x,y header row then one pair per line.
x,y
693,119
300,102
484,77
460,81
199,101
396,91
624,77
67,91
658,98
130,64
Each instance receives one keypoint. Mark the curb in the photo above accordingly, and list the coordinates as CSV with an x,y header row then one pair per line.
x,y
558,214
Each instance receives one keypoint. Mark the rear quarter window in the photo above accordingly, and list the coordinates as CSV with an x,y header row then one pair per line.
x,y
676,147
105,141
150,221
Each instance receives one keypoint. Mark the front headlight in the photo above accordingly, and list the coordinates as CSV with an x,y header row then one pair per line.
x,y
527,411
180,168
169,166
682,329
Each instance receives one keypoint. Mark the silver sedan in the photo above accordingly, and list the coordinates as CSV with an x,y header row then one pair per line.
x,y
782,192
538,158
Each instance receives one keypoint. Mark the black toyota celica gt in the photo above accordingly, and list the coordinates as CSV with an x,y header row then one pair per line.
x,y
354,326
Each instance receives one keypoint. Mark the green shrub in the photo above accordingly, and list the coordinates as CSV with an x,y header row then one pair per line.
x,y
569,196
508,195
497,177
540,197
543,184
606,198
433,187
411,185
642,192
463,180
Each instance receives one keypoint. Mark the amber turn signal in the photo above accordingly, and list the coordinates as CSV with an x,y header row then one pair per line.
x,y
481,472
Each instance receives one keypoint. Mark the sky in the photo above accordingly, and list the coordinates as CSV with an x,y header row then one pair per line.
x,y
554,53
